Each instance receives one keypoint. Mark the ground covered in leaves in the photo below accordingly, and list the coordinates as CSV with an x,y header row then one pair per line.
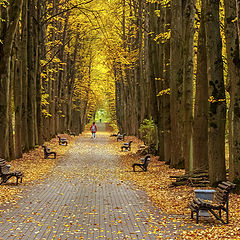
x,y
155,182
174,201
34,167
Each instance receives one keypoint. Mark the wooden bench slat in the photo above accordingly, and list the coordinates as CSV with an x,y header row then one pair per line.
x,y
221,189
220,194
223,186
220,200
230,185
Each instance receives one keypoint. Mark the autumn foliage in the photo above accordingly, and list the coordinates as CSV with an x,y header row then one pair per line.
x,y
173,201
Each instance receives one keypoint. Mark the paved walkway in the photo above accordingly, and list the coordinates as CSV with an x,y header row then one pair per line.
x,y
82,199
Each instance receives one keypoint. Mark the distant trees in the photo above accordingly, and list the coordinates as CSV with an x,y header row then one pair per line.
x,y
47,52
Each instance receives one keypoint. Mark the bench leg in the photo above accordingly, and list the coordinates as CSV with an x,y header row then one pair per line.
x,y
216,216
191,214
197,217
227,217
141,166
124,147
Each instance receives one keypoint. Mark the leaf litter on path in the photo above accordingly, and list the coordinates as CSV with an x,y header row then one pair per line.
x,y
34,167
155,182
174,201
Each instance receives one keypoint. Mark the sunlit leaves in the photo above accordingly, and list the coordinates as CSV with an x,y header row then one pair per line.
x,y
174,201
164,92
163,37
4,3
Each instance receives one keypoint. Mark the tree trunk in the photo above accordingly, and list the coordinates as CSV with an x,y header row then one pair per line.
x,y
166,85
238,19
217,102
200,126
8,29
39,51
176,80
11,107
18,107
232,44
188,22
24,40
31,76
154,65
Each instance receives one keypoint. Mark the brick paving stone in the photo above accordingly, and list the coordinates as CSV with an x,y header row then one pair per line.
x,y
82,199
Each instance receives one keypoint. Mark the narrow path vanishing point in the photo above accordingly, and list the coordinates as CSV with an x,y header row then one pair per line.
x,y
83,199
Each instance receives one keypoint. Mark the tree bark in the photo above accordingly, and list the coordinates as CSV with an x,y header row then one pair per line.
x,y
166,85
11,107
71,80
238,19
18,107
40,48
11,16
24,40
217,102
200,126
32,58
233,60
147,60
188,21
176,80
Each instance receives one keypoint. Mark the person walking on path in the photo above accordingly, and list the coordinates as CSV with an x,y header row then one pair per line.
x,y
93,129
